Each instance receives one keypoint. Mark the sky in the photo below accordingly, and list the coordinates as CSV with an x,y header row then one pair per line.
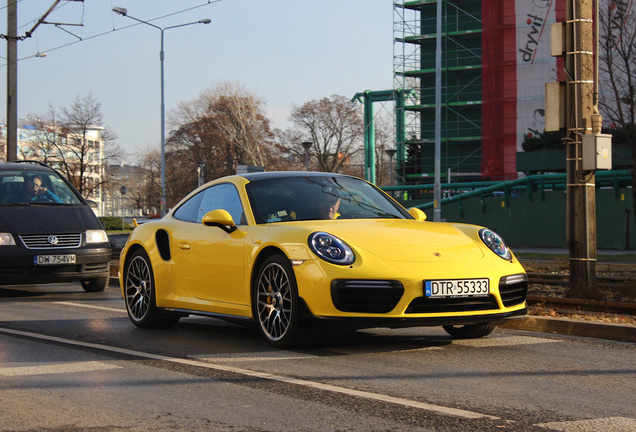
x,y
286,52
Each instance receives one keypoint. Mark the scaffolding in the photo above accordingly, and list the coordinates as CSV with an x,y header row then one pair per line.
x,y
414,68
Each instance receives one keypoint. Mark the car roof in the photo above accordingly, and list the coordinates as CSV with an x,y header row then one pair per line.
x,y
24,166
287,174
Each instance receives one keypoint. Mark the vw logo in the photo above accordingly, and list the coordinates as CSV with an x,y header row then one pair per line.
x,y
52,239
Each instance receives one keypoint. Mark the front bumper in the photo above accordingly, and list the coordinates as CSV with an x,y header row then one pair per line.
x,y
352,323
16,266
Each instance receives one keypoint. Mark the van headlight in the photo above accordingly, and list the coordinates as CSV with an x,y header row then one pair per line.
x,y
6,239
96,236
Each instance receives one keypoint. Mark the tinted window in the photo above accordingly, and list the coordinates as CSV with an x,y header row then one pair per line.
x,y
19,187
188,210
223,196
307,198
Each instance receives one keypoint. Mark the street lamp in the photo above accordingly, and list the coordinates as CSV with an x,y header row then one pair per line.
x,y
307,145
200,167
124,12
391,153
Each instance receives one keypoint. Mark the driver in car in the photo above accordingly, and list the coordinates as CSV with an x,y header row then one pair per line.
x,y
35,191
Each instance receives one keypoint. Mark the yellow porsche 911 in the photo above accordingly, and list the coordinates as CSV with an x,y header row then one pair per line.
x,y
303,251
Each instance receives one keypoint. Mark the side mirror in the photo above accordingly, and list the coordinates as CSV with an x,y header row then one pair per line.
x,y
418,214
219,218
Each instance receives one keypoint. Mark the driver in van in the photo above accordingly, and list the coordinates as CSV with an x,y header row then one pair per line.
x,y
35,190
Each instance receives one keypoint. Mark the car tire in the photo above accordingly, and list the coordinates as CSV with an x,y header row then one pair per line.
x,y
469,331
276,305
139,294
97,284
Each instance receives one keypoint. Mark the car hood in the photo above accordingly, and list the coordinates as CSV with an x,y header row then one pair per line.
x,y
40,219
405,240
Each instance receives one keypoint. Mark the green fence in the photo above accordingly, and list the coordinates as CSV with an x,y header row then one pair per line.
x,y
530,212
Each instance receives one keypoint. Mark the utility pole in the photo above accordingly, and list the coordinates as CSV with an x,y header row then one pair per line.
x,y
582,118
12,80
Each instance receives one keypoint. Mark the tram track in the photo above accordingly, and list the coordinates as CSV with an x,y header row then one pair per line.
x,y
626,286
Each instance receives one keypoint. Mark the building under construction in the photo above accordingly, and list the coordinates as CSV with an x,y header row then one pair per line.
x,y
495,61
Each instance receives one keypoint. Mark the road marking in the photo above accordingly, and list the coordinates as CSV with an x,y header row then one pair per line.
x,y
57,368
91,307
258,356
503,341
262,375
614,424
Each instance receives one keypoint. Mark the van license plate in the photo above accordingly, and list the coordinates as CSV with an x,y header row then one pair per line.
x,y
54,259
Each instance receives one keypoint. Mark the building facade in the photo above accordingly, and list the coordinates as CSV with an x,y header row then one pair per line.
x,y
78,153
495,61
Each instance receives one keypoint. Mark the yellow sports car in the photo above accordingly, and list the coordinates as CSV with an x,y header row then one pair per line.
x,y
303,251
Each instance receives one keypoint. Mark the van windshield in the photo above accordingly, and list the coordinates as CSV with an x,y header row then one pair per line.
x,y
24,187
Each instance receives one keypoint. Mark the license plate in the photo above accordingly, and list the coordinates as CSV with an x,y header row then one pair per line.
x,y
457,288
54,259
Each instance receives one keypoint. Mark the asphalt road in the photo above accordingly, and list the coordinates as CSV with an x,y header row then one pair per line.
x,y
71,361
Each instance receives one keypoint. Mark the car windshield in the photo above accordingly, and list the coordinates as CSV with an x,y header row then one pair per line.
x,y
25,187
317,197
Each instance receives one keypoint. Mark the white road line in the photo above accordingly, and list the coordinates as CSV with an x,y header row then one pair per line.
x,y
57,368
262,375
91,307
259,356
614,424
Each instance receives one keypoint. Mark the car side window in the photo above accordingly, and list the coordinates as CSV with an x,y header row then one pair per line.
x,y
189,210
223,196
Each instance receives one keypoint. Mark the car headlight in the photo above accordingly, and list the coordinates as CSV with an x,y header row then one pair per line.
x,y
331,248
495,243
6,239
96,236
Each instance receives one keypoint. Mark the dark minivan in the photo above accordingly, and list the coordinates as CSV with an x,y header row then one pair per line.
x,y
48,232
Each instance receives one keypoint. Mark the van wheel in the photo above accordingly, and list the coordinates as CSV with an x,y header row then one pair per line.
x,y
95,284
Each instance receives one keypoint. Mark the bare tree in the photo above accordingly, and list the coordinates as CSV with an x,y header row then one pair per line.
x,y
334,127
617,55
384,140
146,193
224,127
76,142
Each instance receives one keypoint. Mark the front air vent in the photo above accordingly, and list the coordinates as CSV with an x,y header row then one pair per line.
x,y
513,289
366,296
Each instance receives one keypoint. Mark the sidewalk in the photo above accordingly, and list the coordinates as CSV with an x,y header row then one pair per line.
x,y
563,251
566,326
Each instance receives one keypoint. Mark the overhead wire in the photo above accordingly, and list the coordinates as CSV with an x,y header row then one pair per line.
x,y
209,2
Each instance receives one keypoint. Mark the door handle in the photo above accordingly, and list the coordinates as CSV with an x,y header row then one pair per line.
x,y
184,246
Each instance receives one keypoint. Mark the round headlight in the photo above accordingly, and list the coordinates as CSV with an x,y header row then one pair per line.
x,y
331,248
495,243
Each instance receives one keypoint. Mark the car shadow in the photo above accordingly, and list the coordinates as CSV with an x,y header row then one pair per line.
x,y
14,293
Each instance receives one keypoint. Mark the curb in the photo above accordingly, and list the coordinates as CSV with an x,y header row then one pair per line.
x,y
618,332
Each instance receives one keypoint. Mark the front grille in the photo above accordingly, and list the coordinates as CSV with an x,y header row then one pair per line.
x,y
366,296
46,241
440,305
513,289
